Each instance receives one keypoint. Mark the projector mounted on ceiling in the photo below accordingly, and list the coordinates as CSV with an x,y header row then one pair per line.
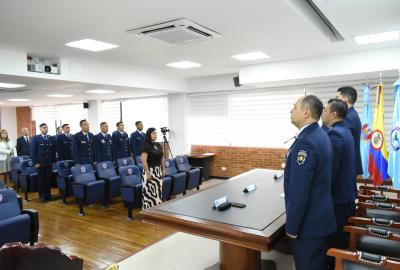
x,y
177,32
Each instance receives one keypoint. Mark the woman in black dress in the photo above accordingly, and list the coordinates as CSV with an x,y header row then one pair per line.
x,y
153,163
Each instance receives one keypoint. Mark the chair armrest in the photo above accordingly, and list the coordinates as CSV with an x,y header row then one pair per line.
x,y
34,216
127,186
115,177
78,184
362,258
374,221
19,198
31,174
357,232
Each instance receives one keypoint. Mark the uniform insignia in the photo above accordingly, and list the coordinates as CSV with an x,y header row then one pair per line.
x,y
103,141
129,171
83,169
301,157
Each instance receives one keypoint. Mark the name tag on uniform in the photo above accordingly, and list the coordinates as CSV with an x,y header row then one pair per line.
x,y
110,141
83,141
41,143
103,141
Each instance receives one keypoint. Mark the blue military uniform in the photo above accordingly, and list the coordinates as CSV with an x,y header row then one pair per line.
x,y
343,181
309,206
137,142
82,148
43,152
103,150
120,141
64,147
353,123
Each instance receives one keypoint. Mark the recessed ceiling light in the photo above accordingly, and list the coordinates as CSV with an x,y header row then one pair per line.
x,y
250,56
375,38
19,99
100,91
91,45
11,85
184,64
59,95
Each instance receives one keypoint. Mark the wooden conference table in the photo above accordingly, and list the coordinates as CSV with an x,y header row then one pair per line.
x,y
242,232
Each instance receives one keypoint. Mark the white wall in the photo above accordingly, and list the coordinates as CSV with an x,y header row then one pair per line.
x,y
9,121
177,117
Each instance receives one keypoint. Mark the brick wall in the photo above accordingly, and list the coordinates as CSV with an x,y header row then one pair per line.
x,y
237,160
24,119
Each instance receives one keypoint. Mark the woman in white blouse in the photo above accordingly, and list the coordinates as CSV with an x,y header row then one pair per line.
x,y
7,150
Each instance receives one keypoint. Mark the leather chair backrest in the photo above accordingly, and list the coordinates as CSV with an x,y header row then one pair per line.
x,y
26,167
130,175
169,167
125,162
105,169
64,167
83,173
15,162
9,206
182,164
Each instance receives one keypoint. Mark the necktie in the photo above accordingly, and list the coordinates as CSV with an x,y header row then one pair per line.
x,y
27,139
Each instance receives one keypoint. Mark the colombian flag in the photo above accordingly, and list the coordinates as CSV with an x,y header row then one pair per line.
x,y
378,155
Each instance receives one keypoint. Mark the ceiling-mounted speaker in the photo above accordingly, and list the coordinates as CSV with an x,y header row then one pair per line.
x,y
85,105
236,81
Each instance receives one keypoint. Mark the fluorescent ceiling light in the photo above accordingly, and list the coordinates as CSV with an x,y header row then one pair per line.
x,y
100,91
184,64
91,45
250,56
59,95
375,38
11,85
19,99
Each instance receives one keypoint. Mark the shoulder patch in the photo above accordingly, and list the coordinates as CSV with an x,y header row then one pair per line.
x,y
301,157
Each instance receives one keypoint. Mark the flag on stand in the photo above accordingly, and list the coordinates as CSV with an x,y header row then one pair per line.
x,y
366,124
394,148
378,155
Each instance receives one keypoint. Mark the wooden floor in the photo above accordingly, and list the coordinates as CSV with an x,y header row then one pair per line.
x,y
102,237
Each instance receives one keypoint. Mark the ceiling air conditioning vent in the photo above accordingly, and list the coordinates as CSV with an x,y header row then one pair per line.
x,y
177,32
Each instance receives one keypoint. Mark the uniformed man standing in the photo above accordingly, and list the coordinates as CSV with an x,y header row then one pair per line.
x,y
64,144
103,150
137,140
82,145
120,142
43,154
352,121
310,217
343,170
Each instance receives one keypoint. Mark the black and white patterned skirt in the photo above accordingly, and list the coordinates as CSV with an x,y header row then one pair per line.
x,y
151,190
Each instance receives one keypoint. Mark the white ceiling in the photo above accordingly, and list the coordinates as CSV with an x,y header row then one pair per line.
x,y
43,27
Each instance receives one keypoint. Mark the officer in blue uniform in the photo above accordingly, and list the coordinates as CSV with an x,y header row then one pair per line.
x,y
343,170
82,145
120,141
64,144
352,121
43,154
137,140
310,217
103,150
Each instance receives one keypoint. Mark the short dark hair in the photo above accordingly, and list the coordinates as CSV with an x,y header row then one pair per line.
x,y
138,122
42,125
339,107
102,123
81,122
314,104
63,126
118,123
349,92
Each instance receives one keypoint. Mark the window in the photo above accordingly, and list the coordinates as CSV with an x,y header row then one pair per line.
x,y
153,112
55,116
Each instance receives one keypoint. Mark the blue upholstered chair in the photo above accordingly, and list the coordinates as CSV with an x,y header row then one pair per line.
x,y
178,178
166,187
16,225
28,177
193,174
15,169
64,178
106,171
121,162
86,188
131,187
139,163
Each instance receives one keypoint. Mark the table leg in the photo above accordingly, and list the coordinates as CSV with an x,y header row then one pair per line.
x,y
234,257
